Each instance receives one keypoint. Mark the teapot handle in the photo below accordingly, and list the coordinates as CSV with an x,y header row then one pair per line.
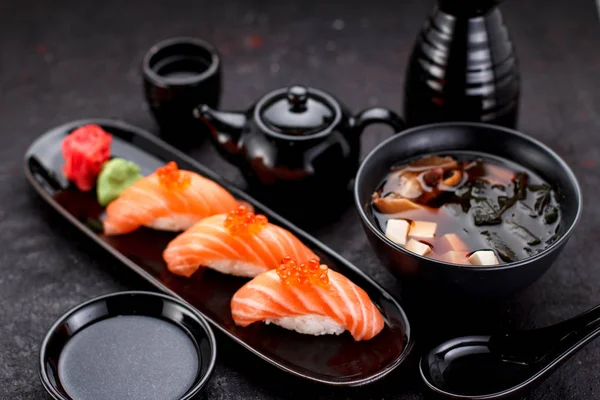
x,y
378,115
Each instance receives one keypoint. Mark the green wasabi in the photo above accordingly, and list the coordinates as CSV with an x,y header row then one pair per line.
x,y
116,176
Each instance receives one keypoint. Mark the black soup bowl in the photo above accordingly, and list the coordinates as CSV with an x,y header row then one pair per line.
x,y
443,138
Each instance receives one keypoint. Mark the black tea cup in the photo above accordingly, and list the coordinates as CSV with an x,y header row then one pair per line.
x,y
179,74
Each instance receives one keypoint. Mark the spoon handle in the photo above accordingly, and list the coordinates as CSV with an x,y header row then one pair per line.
x,y
557,341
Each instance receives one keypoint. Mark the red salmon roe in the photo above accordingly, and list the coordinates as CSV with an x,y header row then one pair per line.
x,y
241,221
85,150
312,272
171,178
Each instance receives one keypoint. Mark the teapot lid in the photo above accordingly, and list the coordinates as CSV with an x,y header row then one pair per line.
x,y
298,111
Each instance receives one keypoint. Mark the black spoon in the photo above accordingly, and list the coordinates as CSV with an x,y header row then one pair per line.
x,y
503,365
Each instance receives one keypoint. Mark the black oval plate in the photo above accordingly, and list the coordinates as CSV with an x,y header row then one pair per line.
x,y
334,360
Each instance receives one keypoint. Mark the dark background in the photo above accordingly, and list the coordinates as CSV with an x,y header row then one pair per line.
x,y
63,60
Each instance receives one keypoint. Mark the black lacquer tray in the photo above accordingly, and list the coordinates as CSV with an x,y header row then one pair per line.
x,y
334,360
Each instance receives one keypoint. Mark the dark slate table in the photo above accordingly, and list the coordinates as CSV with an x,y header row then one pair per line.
x,y
64,60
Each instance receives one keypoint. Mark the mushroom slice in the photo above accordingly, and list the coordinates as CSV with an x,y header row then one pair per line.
x,y
393,204
433,162
432,177
454,178
409,186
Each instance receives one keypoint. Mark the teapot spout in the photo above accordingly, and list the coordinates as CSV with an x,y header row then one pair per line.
x,y
226,127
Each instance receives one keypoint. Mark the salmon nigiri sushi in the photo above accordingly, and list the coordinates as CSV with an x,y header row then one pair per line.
x,y
308,298
237,243
170,199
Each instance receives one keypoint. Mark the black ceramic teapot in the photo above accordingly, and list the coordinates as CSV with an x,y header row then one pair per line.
x,y
294,138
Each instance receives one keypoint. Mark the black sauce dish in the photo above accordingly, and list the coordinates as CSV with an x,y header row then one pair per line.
x,y
79,359
444,138
179,73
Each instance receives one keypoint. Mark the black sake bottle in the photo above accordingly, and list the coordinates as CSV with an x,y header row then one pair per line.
x,y
463,67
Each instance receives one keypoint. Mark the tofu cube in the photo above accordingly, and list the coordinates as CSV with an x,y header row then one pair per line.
x,y
502,175
483,257
452,242
455,257
397,230
422,229
417,247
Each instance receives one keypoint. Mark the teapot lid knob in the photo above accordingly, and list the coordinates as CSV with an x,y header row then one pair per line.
x,y
297,96
297,110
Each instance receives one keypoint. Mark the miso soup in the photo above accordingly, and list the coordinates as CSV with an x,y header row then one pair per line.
x,y
467,208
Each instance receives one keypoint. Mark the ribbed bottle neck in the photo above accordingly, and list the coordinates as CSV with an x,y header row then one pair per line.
x,y
467,8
